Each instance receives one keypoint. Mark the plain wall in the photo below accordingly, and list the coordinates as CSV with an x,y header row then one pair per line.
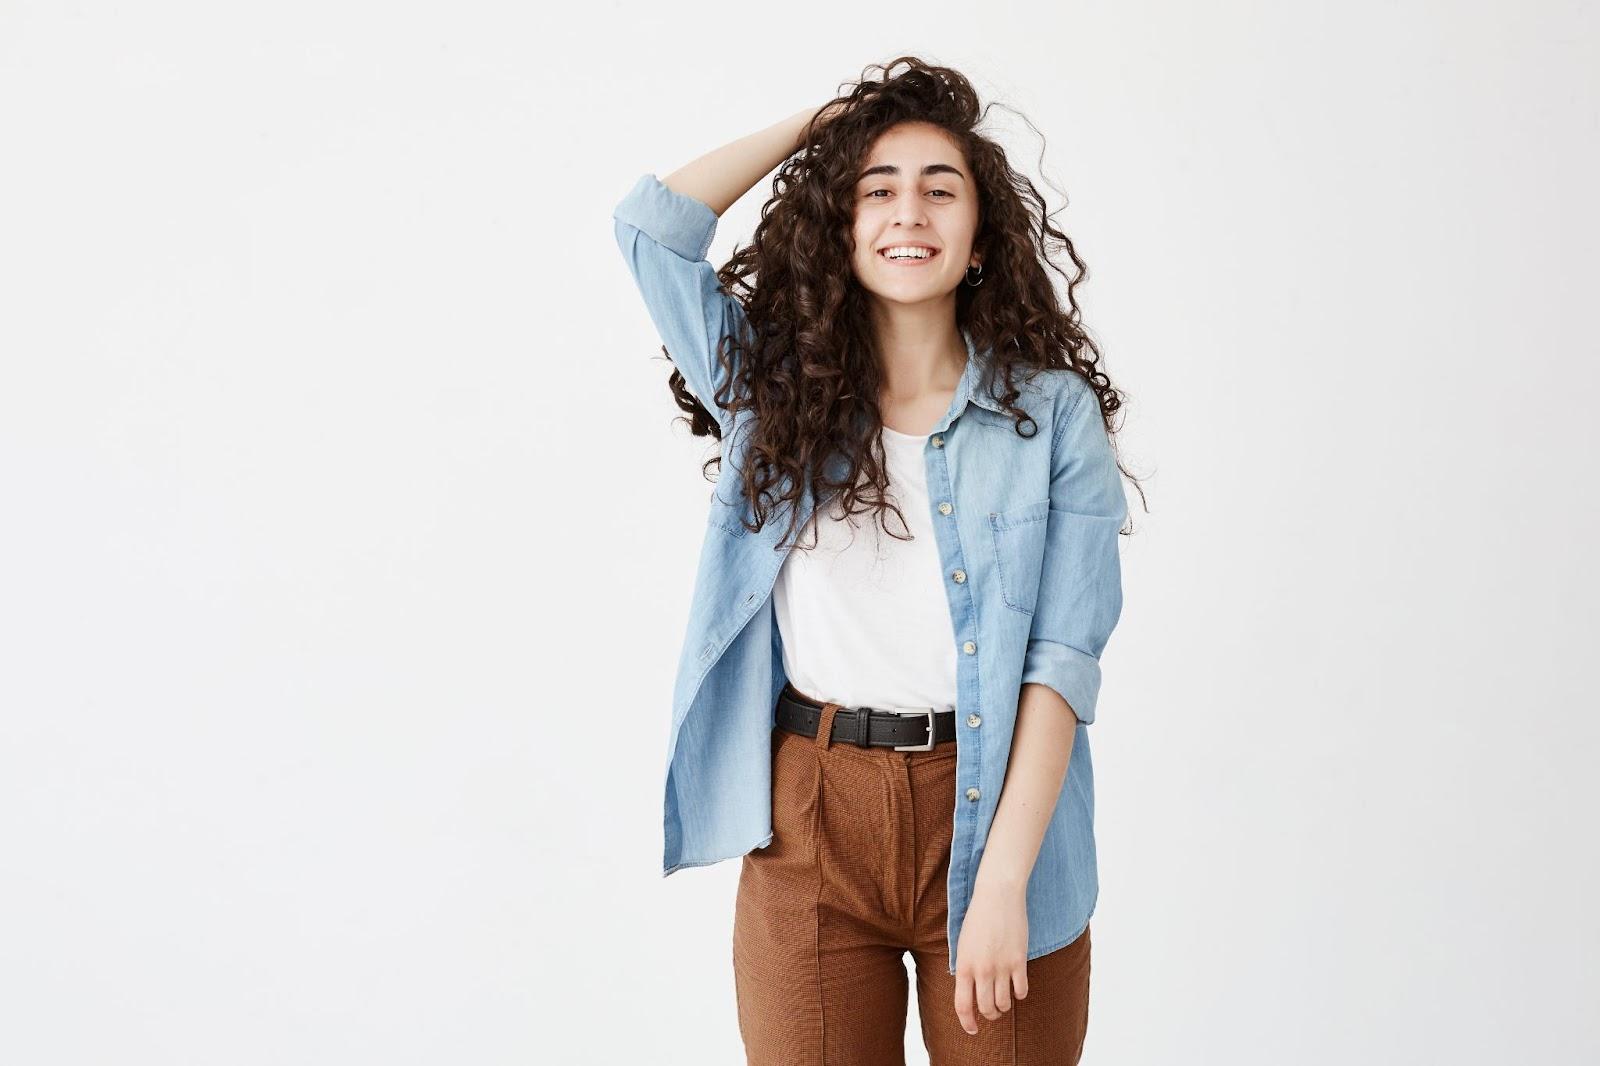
x,y
348,538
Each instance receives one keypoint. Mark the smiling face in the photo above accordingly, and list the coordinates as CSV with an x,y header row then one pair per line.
x,y
916,196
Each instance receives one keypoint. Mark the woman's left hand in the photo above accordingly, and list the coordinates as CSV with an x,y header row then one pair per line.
x,y
992,952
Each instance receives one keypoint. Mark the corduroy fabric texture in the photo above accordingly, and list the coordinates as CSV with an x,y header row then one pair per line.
x,y
853,879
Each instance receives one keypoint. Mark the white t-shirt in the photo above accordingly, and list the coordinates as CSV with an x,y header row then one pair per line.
x,y
863,616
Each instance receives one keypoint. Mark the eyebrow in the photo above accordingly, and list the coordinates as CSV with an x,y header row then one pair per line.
x,y
931,168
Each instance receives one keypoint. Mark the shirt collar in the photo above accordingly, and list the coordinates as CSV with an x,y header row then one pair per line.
x,y
971,389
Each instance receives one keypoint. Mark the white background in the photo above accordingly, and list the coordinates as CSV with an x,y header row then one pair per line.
x,y
347,537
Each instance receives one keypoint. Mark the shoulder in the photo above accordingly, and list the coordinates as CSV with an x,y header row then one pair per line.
x,y
1052,396
1074,407
1062,389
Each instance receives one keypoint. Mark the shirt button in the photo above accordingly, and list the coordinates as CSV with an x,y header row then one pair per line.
x,y
944,508
972,793
938,441
969,647
960,576
973,720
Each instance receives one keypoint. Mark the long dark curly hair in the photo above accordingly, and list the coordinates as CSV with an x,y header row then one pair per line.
x,y
808,365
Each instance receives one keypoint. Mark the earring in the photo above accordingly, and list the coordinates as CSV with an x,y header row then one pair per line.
x,y
978,275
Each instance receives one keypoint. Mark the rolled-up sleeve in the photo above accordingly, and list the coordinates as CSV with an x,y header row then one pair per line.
x,y
664,236
1080,589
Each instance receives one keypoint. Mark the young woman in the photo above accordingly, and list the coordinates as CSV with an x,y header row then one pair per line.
x,y
888,724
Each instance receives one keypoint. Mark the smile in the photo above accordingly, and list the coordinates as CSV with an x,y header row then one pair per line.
x,y
915,257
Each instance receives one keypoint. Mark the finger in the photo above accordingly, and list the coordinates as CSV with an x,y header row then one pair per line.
x,y
1002,991
969,1021
1019,981
985,990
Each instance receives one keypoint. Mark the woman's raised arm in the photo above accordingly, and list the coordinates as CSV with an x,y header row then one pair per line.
x,y
718,178
664,229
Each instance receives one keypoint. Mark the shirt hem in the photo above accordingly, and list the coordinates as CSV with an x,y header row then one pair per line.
x,y
674,868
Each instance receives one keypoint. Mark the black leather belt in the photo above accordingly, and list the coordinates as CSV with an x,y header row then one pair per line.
x,y
900,728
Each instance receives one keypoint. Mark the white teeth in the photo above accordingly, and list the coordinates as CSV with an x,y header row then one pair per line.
x,y
907,253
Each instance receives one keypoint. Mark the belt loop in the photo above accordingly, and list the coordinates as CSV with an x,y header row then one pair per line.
x,y
863,726
825,724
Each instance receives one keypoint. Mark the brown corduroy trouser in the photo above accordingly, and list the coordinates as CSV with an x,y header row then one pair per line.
x,y
853,879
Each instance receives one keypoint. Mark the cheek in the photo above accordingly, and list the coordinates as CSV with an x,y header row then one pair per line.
x,y
858,239
861,249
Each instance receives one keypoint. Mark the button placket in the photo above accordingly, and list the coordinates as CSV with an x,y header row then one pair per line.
x,y
969,766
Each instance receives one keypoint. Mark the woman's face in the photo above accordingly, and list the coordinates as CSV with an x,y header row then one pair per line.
x,y
914,189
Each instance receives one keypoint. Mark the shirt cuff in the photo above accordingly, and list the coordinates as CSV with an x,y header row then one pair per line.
x,y
675,221
1070,672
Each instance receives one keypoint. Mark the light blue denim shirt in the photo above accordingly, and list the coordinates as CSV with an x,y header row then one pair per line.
x,y
1032,523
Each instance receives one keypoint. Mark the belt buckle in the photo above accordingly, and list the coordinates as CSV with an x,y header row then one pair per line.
x,y
928,744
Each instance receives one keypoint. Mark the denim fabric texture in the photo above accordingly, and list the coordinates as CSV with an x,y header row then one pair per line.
x,y
1031,523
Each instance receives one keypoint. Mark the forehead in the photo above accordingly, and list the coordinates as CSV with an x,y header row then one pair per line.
x,y
911,148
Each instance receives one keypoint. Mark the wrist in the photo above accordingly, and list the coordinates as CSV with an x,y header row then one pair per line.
x,y
1000,880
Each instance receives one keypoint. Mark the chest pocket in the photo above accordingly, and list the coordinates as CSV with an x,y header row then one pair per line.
x,y
1018,535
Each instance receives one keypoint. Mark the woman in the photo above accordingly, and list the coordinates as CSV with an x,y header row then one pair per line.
x,y
888,725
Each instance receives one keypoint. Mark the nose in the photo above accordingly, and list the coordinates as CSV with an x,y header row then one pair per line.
x,y
910,211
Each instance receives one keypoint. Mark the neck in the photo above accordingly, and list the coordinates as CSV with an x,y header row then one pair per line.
x,y
919,354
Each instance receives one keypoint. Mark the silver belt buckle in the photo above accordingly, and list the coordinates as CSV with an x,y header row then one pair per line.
x,y
928,744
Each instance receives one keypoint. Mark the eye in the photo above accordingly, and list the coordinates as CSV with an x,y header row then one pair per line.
x,y
945,193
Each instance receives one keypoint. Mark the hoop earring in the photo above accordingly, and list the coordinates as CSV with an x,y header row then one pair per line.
x,y
978,275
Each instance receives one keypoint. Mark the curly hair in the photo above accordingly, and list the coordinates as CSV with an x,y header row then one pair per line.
x,y
807,365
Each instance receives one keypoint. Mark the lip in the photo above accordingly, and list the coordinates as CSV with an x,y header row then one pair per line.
x,y
909,261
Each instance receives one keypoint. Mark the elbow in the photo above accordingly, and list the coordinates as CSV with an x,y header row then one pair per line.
x,y
1072,673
